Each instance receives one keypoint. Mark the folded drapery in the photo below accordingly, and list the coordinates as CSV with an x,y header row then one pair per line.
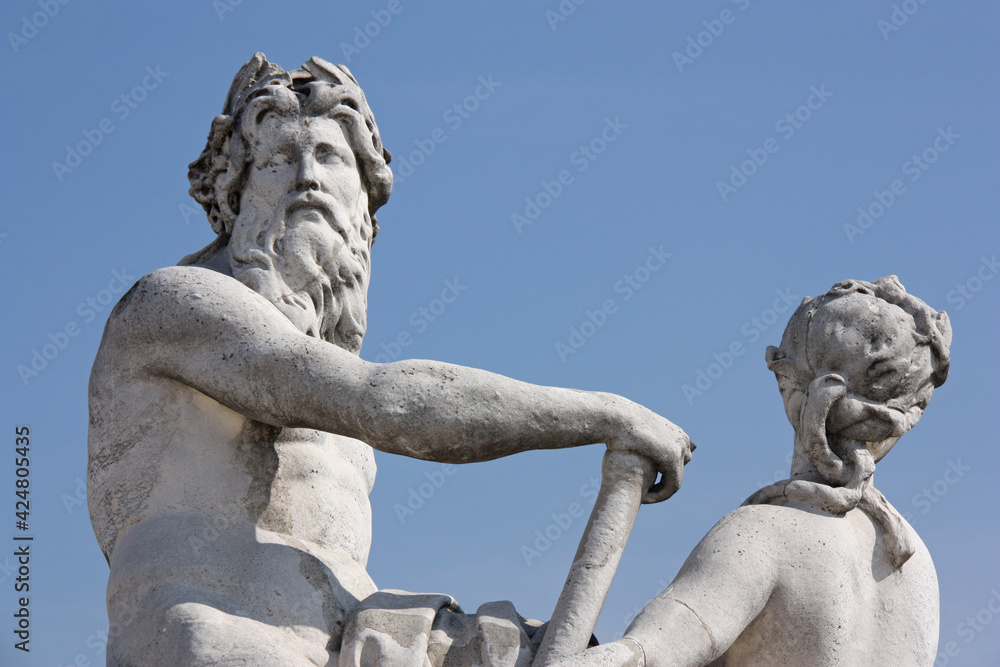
x,y
430,630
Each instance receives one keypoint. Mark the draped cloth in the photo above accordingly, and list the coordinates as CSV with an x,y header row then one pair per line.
x,y
396,628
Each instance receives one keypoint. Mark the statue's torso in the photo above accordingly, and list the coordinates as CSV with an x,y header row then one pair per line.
x,y
195,504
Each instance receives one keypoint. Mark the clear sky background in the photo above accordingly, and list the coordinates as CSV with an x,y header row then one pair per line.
x,y
661,132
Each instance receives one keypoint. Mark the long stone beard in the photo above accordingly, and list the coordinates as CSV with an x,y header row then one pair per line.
x,y
316,277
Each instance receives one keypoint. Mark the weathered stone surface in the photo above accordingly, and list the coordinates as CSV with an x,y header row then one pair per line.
x,y
818,569
232,422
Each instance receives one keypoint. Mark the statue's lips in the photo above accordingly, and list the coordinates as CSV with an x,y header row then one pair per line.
x,y
309,202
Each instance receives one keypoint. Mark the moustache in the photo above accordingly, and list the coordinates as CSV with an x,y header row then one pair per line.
x,y
310,200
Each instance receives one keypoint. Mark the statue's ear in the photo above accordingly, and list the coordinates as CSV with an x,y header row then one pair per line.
x,y
777,363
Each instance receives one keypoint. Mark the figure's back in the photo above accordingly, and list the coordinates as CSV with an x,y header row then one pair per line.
x,y
837,599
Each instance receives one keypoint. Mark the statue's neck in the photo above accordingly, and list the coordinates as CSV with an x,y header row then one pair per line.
x,y
803,469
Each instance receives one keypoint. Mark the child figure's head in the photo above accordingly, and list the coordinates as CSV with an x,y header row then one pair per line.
x,y
870,353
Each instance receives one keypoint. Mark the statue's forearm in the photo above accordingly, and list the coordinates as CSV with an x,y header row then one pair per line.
x,y
450,413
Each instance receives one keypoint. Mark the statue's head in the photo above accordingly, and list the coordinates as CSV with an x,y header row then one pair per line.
x,y
871,353
291,177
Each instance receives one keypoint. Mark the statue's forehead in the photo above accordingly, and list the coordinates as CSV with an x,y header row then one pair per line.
x,y
297,129
863,315
857,329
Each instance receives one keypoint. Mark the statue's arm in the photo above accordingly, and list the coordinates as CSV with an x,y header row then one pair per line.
x,y
206,330
721,588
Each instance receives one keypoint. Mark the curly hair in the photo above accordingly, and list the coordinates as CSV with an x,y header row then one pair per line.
x,y
319,88
931,328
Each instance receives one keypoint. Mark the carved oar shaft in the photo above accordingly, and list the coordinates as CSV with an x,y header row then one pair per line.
x,y
624,479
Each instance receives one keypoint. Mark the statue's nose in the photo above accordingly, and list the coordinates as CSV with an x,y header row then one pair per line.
x,y
307,178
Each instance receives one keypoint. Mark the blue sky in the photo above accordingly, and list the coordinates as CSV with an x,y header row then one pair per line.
x,y
546,162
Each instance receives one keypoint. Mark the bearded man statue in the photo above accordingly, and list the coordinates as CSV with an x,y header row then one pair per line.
x,y
232,422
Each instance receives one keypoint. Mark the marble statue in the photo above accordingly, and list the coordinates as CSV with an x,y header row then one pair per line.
x,y
818,569
232,422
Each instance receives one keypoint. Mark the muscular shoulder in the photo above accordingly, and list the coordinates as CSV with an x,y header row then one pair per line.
x,y
769,537
183,311
170,291
190,303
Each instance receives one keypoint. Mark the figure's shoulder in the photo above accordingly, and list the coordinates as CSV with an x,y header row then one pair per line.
x,y
175,290
184,303
770,529
174,281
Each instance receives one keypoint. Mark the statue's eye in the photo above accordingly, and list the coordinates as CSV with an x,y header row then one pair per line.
x,y
277,161
326,155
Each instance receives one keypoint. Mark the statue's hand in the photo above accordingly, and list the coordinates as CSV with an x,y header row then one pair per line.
x,y
659,441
